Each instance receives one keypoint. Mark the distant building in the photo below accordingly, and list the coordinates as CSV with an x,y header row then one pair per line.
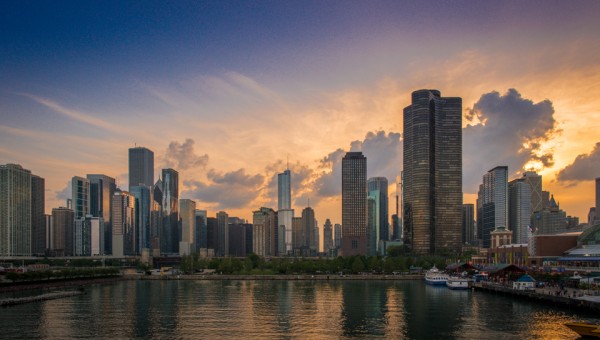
x,y
297,235
308,227
88,236
141,167
201,226
468,224
170,215
238,239
15,211
494,199
597,199
80,195
519,209
38,210
123,224
102,189
62,231
222,246
354,204
337,236
187,213
328,237
378,190
143,223
432,173
549,221
264,232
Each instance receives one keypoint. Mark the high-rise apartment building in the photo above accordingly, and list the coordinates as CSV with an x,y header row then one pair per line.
x,y
432,173
354,204
15,211
328,237
102,189
141,167
170,197
308,226
520,198
264,226
468,224
378,190
494,202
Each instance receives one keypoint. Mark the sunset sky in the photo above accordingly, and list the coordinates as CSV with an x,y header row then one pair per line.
x,y
225,91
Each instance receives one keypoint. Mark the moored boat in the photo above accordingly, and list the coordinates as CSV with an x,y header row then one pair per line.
x,y
435,277
584,329
456,282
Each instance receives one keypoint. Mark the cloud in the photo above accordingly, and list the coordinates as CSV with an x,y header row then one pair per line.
x,y
585,167
506,130
230,190
384,159
76,115
65,193
182,156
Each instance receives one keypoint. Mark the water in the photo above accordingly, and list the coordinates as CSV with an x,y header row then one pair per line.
x,y
284,309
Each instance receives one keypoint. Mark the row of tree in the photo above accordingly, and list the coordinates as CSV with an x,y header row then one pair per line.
x,y
68,273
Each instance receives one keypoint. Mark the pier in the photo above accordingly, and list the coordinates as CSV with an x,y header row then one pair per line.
x,y
572,298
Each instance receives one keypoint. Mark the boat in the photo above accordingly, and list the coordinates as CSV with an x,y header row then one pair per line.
x,y
457,282
584,329
434,277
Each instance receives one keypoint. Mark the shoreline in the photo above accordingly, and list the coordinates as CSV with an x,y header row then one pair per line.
x,y
62,283
280,277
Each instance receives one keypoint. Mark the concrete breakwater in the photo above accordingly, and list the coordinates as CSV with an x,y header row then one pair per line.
x,y
573,299
321,277
37,298
52,284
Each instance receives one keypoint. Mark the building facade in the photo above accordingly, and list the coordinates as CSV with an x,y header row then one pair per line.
x,y
432,173
222,248
468,224
169,237
494,201
187,214
15,211
520,209
141,167
123,224
80,195
354,204
264,226
328,237
102,189
62,231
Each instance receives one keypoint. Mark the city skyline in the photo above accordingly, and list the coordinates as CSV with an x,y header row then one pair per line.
x,y
311,82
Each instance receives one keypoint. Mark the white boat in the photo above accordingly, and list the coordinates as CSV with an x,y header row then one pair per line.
x,y
434,277
457,282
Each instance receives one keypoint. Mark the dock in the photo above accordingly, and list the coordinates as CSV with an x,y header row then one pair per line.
x,y
574,298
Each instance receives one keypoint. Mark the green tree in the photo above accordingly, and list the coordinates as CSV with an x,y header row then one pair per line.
x,y
358,265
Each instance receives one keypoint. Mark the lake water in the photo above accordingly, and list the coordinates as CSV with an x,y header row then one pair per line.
x,y
283,309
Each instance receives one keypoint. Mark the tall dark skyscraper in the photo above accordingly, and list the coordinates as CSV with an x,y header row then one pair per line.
x,y
432,173
354,204
15,210
170,227
597,199
38,220
141,167
102,189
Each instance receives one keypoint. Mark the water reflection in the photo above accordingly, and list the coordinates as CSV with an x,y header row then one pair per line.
x,y
275,309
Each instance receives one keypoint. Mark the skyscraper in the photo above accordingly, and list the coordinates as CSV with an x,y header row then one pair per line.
x,y
285,213
354,204
519,209
264,225
494,202
187,212
327,237
143,216
141,167
170,227
535,183
468,224
38,222
337,236
102,189
378,190
15,210
80,194
222,248
308,225
201,237
62,229
123,224
432,173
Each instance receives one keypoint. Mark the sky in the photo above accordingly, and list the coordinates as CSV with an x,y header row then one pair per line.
x,y
230,93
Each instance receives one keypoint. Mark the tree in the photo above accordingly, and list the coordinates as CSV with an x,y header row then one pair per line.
x,y
358,265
